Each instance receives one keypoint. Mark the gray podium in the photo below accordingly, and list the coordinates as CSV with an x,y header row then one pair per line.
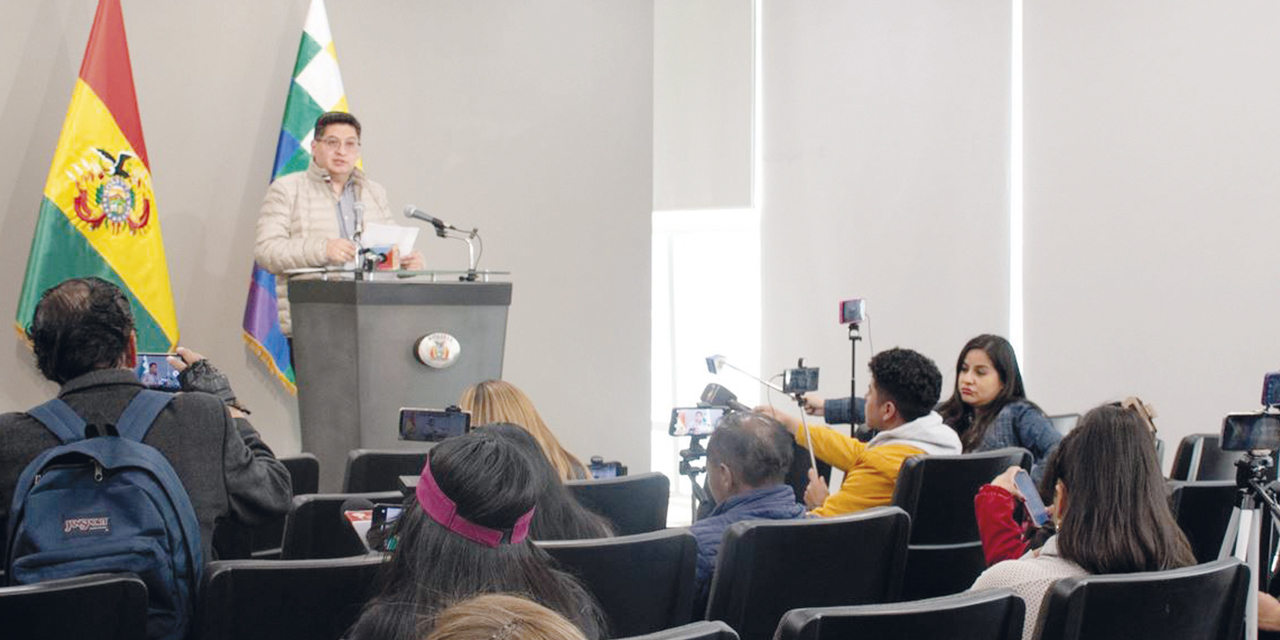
x,y
353,346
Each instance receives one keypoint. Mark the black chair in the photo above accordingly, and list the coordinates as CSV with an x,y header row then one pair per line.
x,y
1202,602
996,614
945,554
92,607
768,567
315,527
1064,423
370,470
285,599
644,582
304,470
634,504
1200,457
235,541
1203,510
701,630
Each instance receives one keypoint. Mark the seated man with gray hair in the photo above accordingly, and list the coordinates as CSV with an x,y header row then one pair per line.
x,y
747,462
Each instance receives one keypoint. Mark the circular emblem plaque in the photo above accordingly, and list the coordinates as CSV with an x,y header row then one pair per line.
x,y
437,350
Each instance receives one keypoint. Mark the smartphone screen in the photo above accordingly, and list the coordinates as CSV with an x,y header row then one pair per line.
x,y
385,514
433,425
694,421
605,470
155,372
1250,431
1031,497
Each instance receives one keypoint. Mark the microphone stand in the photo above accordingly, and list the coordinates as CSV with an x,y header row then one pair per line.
x,y
470,237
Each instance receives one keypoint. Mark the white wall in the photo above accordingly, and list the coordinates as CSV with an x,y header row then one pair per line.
x,y
531,121
1151,206
702,104
885,177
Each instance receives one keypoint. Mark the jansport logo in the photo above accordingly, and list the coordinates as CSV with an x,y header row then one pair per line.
x,y
100,524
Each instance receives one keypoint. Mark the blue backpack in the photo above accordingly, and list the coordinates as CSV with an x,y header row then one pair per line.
x,y
102,503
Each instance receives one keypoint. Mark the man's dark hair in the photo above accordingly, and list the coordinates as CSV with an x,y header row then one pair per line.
x,y
335,117
756,447
80,325
909,379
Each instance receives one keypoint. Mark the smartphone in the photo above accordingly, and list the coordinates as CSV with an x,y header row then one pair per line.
x,y
1250,431
385,514
155,372
433,425
1031,497
694,421
601,469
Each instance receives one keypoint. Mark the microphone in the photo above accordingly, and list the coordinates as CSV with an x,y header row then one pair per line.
x,y
717,396
418,214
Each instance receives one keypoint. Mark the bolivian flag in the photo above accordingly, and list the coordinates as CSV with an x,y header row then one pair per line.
x,y
98,216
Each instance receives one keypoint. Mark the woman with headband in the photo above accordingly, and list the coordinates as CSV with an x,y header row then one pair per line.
x,y
465,532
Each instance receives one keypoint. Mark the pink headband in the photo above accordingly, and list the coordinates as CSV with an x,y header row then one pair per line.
x,y
445,511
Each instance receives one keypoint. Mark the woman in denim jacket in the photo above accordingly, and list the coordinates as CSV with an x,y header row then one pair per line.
x,y
989,406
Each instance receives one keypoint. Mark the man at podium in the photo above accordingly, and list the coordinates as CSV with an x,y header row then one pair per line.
x,y
311,218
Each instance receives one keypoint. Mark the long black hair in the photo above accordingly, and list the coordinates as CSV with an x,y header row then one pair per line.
x,y
492,484
559,516
973,423
1117,517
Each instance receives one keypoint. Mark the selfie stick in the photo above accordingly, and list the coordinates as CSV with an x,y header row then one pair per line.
x,y
714,364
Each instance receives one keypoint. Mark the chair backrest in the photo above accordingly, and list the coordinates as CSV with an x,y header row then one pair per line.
x,y
1203,510
1202,602
316,528
285,599
304,470
945,553
1064,423
701,630
91,607
995,614
1200,457
634,504
644,582
371,470
768,567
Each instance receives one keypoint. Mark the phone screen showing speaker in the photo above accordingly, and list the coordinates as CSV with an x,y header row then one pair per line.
x,y
155,372
694,421
432,425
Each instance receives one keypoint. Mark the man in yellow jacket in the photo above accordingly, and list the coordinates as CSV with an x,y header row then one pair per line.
x,y
904,388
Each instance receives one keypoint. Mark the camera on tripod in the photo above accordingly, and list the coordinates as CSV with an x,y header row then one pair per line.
x,y
1257,431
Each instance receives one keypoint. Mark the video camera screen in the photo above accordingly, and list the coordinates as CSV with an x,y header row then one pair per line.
x,y
694,421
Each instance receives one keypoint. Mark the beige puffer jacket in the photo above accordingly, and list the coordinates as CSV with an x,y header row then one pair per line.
x,y
298,217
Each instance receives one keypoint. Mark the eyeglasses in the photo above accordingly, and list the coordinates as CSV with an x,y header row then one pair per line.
x,y
332,144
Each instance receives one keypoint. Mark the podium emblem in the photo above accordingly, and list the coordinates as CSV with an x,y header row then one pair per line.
x,y
437,350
